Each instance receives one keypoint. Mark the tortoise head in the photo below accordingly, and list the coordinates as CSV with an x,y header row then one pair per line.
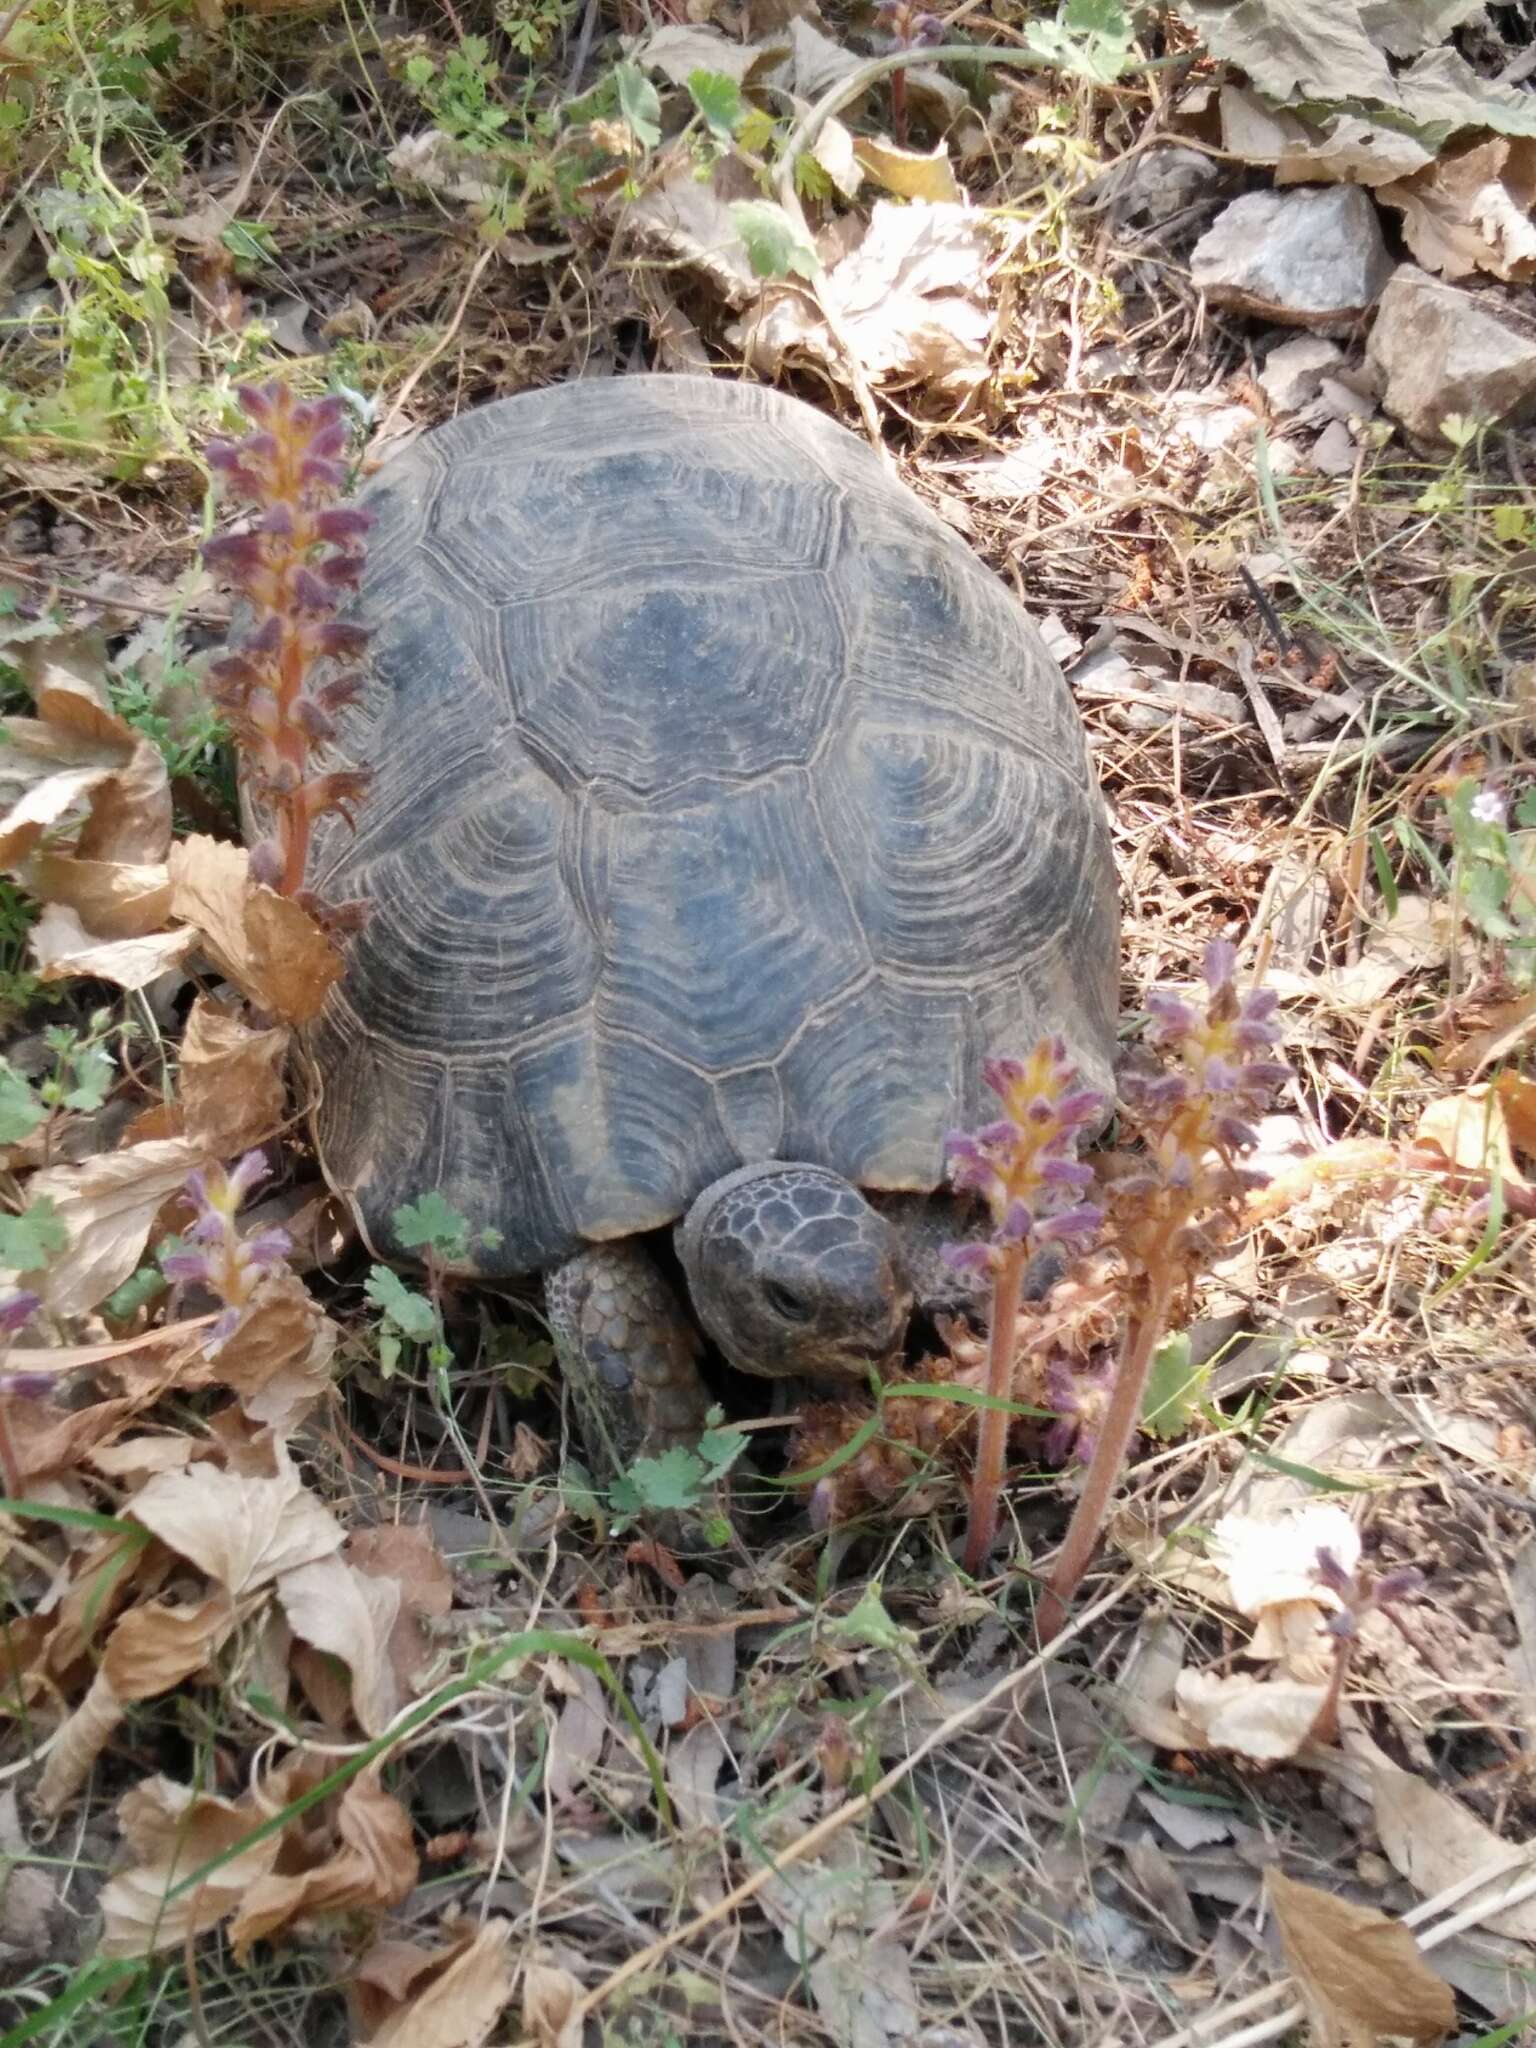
x,y
793,1273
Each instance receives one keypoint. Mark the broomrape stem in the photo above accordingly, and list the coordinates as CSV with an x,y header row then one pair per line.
x,y
1109,1453
992,1434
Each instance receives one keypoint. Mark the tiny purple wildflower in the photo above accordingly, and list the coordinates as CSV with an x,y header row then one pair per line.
x,y
17,1310
1024,1165
1078,1398
214,1255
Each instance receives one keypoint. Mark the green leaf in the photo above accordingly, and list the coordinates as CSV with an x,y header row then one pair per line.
x,y
870,1624
718,99
1525,810
1510,522
431,1225
638,104
250,242
720,1448
92,1073
773,244
411,1313
1320,1482
1088,39
1386,881
20,1110
1484,890
1173,1390
674,1480
29,1241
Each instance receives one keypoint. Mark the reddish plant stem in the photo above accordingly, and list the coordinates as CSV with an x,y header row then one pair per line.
x,y
992,1434
1109,1453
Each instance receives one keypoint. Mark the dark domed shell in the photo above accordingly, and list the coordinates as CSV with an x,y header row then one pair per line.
x,y
725,808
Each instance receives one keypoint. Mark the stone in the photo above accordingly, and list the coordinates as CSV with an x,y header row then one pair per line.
x,y
1333,452
1311,256
1158,184
1293,372
1442,350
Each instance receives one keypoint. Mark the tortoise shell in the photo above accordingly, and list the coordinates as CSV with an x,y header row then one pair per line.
x,y
725,808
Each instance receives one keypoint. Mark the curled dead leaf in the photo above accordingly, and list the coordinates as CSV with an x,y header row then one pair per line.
x,y
1266,1718
240,1530
152,1648
909,173
1360,1973
108,1205
350,1616
62,948
78,753
551,2006
451,1998
171,1833
267,945
232,1088
374,1868
113,899
278,1362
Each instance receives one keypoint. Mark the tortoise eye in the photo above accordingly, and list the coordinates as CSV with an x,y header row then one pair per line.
x,y
785,1302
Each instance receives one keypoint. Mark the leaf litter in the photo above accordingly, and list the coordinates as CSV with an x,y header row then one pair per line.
x,y
266,1560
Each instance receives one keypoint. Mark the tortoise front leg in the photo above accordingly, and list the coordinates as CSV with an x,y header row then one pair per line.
x,y
629,1354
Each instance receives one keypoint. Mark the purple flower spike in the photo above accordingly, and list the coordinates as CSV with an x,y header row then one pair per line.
x,y
17,1310
1220,964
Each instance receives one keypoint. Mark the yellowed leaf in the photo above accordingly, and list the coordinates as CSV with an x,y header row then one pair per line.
x,y
172,1832
350,1616
113,899
458,2005
551,2006
267,945
910,173
232,1089
242,1531
278,1360
1267,1718
62,948
1360,1974
374,1868
108,1204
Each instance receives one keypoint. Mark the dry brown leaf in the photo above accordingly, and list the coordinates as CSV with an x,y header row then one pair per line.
x,y
551,2006
1266,1718
171,1832
1509,1030
1360,1974
114,899
62,948
77,752
232,1088
350,1616
152,1648
1472,211
909,173
1436,1843
241,1531
459,2004
139,1457
278,1362
1471,1130
108,1205
45,1439
913,301
407,1554
267,945
375,1868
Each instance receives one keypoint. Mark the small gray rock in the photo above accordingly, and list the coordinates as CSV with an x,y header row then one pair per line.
x,y
1312,256
1333,453
1441,350
1159,183
1293,372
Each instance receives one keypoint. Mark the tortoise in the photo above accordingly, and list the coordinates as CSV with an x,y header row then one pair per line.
x,y
727,812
